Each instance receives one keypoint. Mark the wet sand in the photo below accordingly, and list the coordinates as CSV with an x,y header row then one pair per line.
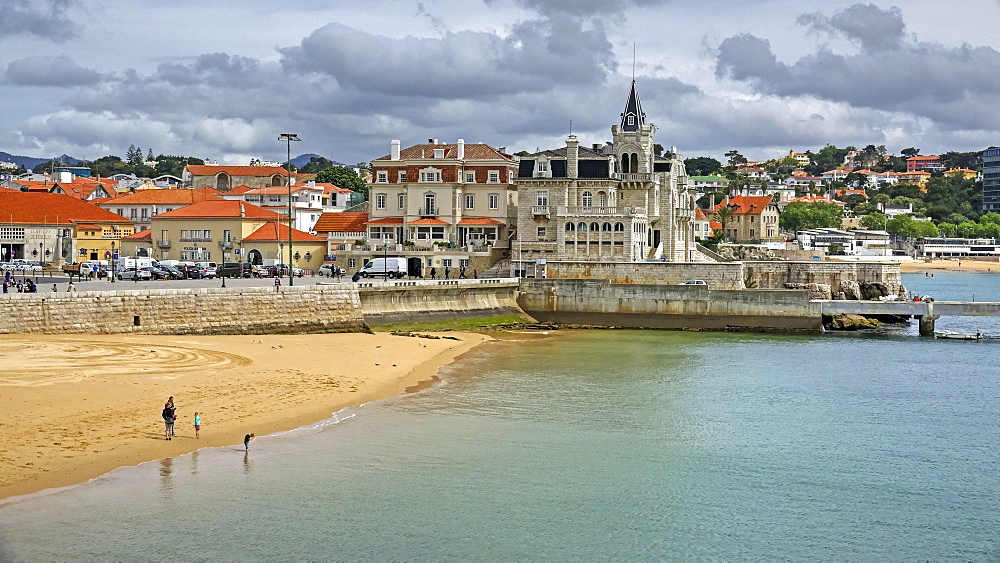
x,y
76,407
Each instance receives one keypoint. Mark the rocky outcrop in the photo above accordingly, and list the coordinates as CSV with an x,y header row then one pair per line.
x,y
815,290
733,253
850,290
847,321
878,290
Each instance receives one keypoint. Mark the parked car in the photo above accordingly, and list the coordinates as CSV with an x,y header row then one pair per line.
x,y
190,271
695,282
207,271
175,272
394,267
235,270
132,273
160,273
331,270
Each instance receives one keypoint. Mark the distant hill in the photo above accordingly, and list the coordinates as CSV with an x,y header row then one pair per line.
x,y
303,159
30,162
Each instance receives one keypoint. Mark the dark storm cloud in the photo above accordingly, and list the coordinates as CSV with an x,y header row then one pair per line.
x,y
213,69
958,87
872,26
44,18
50,71
464,64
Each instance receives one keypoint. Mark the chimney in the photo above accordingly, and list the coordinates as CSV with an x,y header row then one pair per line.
x,y
572,156
502,149
432,141
394,150
461,149
243,212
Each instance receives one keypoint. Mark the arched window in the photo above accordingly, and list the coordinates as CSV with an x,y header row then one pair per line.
x,y
595,227
588,199
625,162
582,227
570,227
635,162
619,227
278,180
606,227
602,199
222,182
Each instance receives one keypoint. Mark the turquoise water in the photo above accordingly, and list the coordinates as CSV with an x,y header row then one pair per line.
x,y
590,445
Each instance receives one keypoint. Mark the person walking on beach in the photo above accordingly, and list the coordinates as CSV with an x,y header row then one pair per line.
x,y
168,418
197,426
246,441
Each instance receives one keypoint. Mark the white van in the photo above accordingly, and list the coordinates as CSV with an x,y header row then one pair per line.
x,y
394,267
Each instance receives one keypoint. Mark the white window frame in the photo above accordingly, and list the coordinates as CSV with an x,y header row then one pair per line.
x,y
493,177
542,198
542,233
402,176
470,201
382,177
430,175
470,176
402,202
494,201
379,201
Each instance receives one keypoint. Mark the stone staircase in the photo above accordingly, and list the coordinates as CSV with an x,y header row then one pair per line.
x,y
499,270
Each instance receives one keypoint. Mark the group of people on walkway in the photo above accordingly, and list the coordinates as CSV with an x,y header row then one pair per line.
x,y
461,273
26,285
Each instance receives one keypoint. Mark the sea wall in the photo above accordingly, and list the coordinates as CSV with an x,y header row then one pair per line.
x,y
431,300
185,311
341,307
730,275
600,302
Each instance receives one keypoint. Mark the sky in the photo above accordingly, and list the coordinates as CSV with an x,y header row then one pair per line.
x,y
221,80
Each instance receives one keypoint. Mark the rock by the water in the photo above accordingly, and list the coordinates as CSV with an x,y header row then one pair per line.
x,y
848,321
815,290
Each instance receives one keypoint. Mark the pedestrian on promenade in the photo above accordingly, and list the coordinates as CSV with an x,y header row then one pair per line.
x,y
246,441
356,277
434,273
71,288
197,426
447,272
277,283
5,286
475,274
461,273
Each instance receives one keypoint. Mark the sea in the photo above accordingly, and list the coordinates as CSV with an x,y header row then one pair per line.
x,y
595,445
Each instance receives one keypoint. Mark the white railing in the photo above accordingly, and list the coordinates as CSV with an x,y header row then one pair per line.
x,y
603,211
540,210
633,176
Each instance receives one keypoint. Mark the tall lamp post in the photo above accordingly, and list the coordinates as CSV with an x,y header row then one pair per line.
x,y
114,257
288,138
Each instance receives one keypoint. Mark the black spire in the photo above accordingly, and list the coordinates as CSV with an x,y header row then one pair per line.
x,y
633,116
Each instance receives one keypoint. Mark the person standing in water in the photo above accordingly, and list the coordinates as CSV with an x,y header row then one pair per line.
x,y
246,441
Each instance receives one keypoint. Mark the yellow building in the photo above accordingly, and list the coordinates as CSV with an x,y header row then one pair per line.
x,y
962,173
228,231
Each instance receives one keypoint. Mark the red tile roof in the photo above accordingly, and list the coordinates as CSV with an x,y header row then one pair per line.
x,y
330,188
699,215
387,221
52,209
272,231
140,235
428,222
238,190
253,171
165,197
88,226
80,188
473,151
221,208
282,190
479,221
715,225
341,223
747,205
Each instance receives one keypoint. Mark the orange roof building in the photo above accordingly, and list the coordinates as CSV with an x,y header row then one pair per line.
x,y
56,228
224,178
754,218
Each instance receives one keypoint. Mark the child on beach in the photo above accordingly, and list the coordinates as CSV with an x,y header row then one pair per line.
x,y
246,441
197,425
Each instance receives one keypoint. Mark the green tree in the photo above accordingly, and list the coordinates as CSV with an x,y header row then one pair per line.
x,y
343,177
946,229
800,216
315,164
735,158
874,221
910,152
702,166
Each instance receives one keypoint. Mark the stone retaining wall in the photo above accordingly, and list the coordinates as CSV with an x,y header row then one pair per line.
x,y
599,302
341,307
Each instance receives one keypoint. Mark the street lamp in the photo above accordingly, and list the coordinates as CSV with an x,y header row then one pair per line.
x,y
288,138
114,257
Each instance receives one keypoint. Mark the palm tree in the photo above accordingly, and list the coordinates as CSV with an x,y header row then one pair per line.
x,y
724,215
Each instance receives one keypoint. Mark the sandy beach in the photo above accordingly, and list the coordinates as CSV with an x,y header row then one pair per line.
x,y
76,407
919,267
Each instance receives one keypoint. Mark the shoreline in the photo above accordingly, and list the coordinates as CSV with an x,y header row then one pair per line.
x,y
77,409
962,266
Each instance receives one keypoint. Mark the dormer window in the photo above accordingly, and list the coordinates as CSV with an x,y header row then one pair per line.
x,y
382,177
430,175
630,119
438,153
